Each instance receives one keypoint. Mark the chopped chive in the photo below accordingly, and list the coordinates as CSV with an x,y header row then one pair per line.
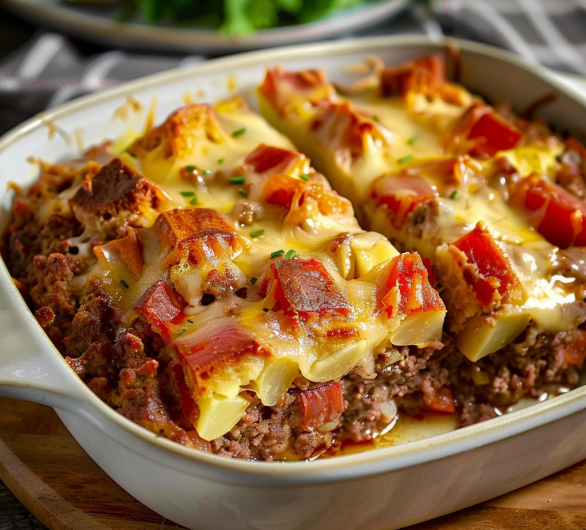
x,y
405,159
304,177
193,201
124,284
277,254
290,254
454,195
187,193
253,280
190,168
257,233
128,153
237,180
242,192
238,132
374,117
181,333
190,321
206,172
413,139
221,161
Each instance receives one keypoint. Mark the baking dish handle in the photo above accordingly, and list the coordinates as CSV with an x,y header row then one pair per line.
x,y
30,368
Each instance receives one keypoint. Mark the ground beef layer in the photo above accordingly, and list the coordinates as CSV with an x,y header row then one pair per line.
x,y
133,371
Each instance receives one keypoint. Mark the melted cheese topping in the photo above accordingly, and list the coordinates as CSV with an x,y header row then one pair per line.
x,y
423,129
237,201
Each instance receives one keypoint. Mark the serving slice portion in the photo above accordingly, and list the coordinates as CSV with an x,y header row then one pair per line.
x,y
206,282
492,202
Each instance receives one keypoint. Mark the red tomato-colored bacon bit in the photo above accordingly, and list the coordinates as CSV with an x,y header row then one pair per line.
x,y
321,405
303,287
488,131
412,75
268,157
560,216
280,190
494,274
406,289
279,85
402,194
160,305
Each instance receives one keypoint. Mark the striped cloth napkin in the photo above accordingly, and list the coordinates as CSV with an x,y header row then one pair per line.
x,y
48,71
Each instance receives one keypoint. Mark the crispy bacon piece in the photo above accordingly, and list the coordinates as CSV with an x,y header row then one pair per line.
x,y
559,216
492,274
128,248
488,131
274,159
293,194
402,194
280,190
321,405
441,400
220,345
281,87
412,75
426,75
180,132
115,197
160,305
179,228
406,289
303,287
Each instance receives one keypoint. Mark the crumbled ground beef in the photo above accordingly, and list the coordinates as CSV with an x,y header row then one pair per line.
x,y
132,370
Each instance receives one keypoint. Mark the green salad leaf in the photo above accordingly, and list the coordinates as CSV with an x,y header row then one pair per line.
x,y
236,18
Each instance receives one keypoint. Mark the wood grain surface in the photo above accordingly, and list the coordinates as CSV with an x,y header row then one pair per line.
x,y
51,474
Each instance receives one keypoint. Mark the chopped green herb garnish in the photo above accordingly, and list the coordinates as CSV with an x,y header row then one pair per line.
x,y
221,161
181,333
304,177
405,159
413,139
190,168
238,132
187,193
128,153
290,254
242,192
374,117
237,180
277,254
124,284
253,280
206,172
454,195
257,233
193,201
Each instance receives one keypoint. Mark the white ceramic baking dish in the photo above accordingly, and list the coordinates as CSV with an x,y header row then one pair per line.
x,y
385,488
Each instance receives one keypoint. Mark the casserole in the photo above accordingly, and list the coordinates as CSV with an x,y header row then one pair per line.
x,y
396,486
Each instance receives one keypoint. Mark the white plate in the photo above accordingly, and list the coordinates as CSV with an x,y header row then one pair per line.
x,y
375,490
97,24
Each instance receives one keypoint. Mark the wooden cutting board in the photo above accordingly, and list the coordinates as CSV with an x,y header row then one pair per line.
x,y
51,474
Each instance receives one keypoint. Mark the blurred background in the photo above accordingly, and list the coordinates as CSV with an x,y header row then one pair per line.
x,y
52,51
